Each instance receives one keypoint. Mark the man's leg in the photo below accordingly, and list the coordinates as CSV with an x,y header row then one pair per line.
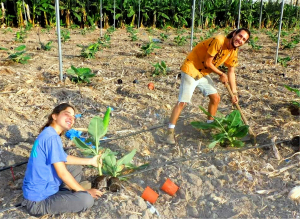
x,y
186,90
214,100
207,88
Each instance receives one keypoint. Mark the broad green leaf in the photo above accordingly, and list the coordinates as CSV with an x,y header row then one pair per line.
x,y
165,16
110,160
241,131
2,48
127,158
163,64
204,125
20,48
96,129
234,118
82,145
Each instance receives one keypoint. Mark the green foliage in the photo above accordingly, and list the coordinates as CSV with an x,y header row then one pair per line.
x,y
297,91
105,41
252,42
83,31
115,167
148,48
290,44
65,35
97,129
283,61
134,37
150,31
273,37
90,50
20,36
160,69
47,47
7,30
74,26
28,27
231,129
180,41
110,30
80,75
18,54
180,31
164,36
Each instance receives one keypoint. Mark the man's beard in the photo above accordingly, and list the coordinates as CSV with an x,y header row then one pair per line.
x,y
232,43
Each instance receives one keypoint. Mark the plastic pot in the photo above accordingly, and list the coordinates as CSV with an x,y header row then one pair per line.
x,y
169,187
149,195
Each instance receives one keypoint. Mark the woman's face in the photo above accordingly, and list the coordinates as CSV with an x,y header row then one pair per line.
x,y
64,120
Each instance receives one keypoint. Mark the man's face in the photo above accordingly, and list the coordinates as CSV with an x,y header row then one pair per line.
x,y
239,39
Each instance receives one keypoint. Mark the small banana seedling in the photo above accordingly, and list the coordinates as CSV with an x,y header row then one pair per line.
x,y
80,75
18,54
90,50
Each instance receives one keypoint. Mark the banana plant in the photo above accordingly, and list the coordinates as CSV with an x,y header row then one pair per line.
x,y
97,129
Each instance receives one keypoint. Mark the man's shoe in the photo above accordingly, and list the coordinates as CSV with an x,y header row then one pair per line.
x,y
170,137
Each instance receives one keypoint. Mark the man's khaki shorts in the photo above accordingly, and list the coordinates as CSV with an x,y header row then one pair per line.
x,y
188,85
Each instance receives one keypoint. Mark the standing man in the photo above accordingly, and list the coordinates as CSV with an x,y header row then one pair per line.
x,y
205,58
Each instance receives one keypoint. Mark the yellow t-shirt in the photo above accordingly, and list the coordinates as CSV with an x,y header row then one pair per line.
x,y
215,46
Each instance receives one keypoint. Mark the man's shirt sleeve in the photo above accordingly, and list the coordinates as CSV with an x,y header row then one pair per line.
x,y
214,46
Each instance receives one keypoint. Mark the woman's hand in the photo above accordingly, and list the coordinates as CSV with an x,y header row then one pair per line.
x,y
95,193
95,161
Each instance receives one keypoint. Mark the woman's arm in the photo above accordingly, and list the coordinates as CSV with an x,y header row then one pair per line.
x,y
71,182
83,161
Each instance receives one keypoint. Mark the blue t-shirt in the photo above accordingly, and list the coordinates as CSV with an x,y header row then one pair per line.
x,y
41,180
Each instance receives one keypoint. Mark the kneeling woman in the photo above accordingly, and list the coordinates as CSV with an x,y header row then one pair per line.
x,y
51,185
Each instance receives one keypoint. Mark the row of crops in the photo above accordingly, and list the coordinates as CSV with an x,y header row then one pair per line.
x,y
156,13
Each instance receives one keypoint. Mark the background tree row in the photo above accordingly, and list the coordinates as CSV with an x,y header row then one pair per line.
x,y
154,13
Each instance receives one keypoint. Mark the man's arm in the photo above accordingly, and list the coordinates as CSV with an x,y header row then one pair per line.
x,y
232,83
83,161
209,64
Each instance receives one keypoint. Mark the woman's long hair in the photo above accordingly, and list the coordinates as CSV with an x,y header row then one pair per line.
x,y
230,35
56,111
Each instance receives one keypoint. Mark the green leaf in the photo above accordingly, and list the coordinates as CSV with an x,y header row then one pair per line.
x,y
234,118
238,143
296,103
205,112
96,129
212,144
2,48
293,90
19,48
81,144
204,125
241,131
165,16
106,118
127,158
110,160
163,64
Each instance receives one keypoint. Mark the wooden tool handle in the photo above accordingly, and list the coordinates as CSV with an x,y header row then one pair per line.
x,y
239,108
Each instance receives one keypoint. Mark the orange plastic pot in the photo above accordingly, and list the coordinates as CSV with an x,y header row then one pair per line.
x,y
149,195
169,187
151,86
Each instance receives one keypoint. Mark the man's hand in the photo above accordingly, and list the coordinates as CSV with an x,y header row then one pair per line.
x,y
95,193
223,78
95,161
235,98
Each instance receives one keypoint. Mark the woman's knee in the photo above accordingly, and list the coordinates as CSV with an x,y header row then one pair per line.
x,y
86,199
